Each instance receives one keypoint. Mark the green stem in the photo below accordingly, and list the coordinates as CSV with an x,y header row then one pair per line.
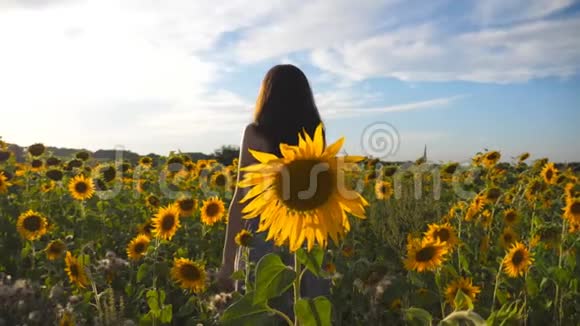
x,y
557,301
496,286
281,314
297,269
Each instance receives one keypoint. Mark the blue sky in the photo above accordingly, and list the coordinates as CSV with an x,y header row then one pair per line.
x,y
155,76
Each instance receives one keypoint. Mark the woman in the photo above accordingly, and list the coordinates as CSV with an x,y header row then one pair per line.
x,y
285,106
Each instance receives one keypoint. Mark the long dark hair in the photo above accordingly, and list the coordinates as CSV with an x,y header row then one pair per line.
x,y
285,106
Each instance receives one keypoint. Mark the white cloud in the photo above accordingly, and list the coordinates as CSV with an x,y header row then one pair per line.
x,y
500,11
423,53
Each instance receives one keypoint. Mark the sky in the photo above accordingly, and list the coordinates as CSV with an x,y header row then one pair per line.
x,y
391,76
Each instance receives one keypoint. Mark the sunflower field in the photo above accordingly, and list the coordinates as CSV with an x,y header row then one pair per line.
x,y
89,242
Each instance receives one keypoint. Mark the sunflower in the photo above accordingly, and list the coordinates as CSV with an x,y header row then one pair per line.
x,y
36,165
31,225
166,222
4,184
486,218
534,189
186,206
75,270
54,174
491,158
572,210
221,179
464,285
66,319
244,238
146,228
507,237
146,162
523,157
425,255
54,249
477,159
47,187
550,173
492,194
517,260
475,207
81,188
383,189
444,233
152,202
283,197
189,274
510,217
138,247
212,210
36,149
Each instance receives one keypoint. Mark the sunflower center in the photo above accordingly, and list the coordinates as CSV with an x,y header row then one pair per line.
x,y
549,174
212,209
74,270
517,258
384,189
140,247
186,204
304,185
442,234
510,217
168,222
81,187
575,208
32,223
220,180
507,237
425,254
190,272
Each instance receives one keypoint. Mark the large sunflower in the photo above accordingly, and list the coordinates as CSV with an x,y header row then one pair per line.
x,y
81,188
138,247
31,225
212,210
465,285
75,271
572,210
189,274
425,255
166,222
444,233
146,162
54,249
550,173
517,260
4,184
383,189
291,208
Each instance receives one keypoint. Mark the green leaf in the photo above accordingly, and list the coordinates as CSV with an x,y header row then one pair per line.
x,y
142,272
417,316
245,312
313,312
311,260
166,314
155,299
462,301
531,286
272,278
238,275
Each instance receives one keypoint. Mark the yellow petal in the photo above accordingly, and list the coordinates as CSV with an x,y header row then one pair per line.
x,y
263,157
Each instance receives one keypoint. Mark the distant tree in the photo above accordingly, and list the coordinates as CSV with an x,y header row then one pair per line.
x,y
226,154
